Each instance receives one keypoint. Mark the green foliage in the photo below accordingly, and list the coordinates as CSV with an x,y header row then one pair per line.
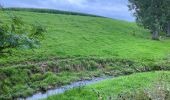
x,y
152,14
147,13
16,34
166,12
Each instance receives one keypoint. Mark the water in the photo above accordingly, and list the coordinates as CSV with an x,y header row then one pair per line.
x,y
62,89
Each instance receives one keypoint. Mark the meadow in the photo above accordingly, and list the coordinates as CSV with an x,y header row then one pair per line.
x,y
78,47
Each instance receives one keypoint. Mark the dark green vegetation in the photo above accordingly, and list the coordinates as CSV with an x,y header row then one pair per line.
x,y
52,11
143,86
76,48
153,15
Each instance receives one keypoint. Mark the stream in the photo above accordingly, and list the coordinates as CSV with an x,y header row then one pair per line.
x,y
62,89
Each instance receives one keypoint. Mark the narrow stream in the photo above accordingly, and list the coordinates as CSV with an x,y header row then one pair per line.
x,y
62,89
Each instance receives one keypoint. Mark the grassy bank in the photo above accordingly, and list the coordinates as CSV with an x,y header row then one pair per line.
x,y
128,87
77,48
25,79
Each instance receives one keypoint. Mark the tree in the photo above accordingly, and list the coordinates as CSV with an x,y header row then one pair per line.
x,y
17,34
166,12
149,14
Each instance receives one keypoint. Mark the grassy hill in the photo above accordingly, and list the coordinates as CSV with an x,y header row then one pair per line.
x,y
79,47
82,36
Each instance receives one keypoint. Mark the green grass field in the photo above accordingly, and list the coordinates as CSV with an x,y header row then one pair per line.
x,y
69,35
79,47
114,87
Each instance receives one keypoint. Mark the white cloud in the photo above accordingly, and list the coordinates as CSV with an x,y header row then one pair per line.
x,y
76,1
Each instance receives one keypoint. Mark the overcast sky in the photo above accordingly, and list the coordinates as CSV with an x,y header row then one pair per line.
x,y
116,9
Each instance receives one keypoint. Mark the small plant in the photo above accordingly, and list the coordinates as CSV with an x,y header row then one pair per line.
x,y
100,95
18,34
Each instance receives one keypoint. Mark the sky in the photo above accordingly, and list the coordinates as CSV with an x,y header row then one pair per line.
x,y
116,9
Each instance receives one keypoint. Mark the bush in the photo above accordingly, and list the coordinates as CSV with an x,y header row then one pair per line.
x,y
17,34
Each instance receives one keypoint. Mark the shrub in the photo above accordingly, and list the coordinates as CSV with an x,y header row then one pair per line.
x,y
17,34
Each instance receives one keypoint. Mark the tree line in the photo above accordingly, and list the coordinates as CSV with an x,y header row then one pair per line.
x,y
153,15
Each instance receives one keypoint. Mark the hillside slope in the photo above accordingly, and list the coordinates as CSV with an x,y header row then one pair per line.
x,y
69,35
